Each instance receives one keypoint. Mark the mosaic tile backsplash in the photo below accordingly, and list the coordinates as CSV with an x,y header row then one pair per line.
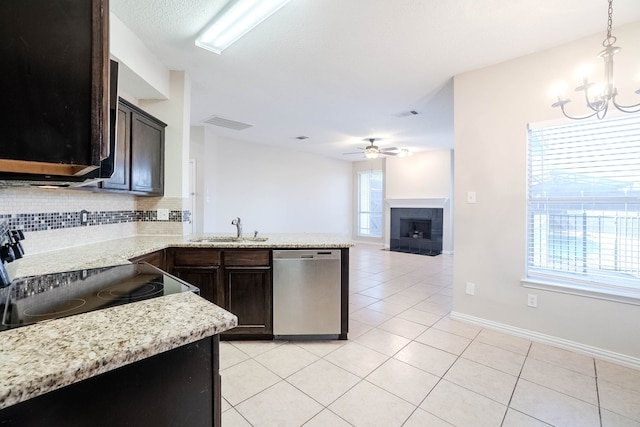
x,y
57,220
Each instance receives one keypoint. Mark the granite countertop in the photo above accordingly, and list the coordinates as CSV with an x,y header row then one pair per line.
x,y
50,355
119,251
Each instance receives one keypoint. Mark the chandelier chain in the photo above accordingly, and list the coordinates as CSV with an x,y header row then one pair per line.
x,y
610,40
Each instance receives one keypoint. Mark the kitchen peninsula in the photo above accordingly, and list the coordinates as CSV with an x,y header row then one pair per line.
x,y
60,354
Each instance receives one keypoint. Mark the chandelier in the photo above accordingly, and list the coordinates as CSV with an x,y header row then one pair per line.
x,y
598,98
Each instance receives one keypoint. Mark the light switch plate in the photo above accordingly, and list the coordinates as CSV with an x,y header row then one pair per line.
x,y
471,288
163,214
471,196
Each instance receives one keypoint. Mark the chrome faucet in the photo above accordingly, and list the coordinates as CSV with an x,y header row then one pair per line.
x,y
238,225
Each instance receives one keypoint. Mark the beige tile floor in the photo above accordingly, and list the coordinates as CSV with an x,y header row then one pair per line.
x,y
406,363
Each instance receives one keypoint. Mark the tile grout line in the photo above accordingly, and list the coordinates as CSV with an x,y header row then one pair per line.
x,y
595,372
513,392
441,377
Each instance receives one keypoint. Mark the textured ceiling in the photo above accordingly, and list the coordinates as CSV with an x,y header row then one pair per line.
x,y
339,71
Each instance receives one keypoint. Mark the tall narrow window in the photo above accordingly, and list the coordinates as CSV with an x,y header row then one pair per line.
x,y
584,206
370,204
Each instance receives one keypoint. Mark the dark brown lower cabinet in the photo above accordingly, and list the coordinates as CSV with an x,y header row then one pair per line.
x,y
247,294
199,267
180,387
237,280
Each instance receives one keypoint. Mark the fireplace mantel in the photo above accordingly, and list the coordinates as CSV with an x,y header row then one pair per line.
x,y
417,203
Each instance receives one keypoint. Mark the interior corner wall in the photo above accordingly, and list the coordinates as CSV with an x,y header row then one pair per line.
x,y
492,108
273,190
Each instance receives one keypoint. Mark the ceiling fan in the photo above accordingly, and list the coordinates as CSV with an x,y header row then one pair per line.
x,y
373,151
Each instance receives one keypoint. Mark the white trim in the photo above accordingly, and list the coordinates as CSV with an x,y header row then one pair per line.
x,y
608,294
417,203
621,359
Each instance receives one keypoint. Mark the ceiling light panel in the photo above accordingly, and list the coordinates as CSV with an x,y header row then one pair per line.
x,y
234,21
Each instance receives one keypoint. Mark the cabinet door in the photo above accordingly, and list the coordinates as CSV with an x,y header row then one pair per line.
x,y
55,73
205,278
247,294
120,179
147,155
199,267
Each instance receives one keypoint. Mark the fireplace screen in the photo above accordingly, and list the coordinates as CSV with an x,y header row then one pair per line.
x,y
416,230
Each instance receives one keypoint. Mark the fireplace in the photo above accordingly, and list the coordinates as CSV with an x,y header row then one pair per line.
x,y
416,230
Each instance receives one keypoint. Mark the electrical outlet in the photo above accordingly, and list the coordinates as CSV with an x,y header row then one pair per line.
x,y
471,196
471,288
84,217
163,214
532,300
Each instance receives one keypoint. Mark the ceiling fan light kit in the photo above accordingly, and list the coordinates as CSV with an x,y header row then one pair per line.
x,y
373,151
599,97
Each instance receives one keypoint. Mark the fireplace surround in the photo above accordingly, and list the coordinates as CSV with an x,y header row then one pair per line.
x,y
416,230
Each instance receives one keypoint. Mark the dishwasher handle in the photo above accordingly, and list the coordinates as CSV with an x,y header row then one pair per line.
x,y
305,254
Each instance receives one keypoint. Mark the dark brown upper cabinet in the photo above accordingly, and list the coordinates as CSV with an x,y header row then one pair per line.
x,y
55,80
139,149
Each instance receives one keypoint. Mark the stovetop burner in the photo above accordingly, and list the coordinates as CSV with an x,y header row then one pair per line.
x,y
38,298
127,292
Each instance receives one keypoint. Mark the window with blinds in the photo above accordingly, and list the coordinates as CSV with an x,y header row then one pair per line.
x,y
583,206
370,203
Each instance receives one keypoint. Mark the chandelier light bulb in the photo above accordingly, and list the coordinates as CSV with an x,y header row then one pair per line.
x,y
584,71
558,90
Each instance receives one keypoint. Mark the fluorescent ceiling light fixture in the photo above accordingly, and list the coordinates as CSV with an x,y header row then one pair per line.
x,y
235,20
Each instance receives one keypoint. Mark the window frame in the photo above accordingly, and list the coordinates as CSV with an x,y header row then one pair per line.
x,y
626,290
361,212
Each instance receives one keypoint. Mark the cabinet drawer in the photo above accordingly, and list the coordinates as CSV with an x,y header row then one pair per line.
x,y
246,258
196,257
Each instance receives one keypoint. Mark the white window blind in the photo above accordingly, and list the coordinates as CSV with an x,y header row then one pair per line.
x,y
583,205
370,203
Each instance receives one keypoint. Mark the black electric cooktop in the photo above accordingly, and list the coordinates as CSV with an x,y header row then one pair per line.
x,y
52,296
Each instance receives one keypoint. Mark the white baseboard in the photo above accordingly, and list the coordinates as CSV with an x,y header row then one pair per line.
x,y
610,356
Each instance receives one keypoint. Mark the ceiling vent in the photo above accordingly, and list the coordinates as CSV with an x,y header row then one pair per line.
x,y
408,113
226,123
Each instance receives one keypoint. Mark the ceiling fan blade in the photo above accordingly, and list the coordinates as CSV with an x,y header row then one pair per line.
x,y
388,153
355,152
390,149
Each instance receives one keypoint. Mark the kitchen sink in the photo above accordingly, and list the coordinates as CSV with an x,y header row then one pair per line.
x,y
214,239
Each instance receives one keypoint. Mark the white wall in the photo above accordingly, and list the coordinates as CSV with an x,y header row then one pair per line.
x,y
271,189
424,175
492,108
176,113
144,76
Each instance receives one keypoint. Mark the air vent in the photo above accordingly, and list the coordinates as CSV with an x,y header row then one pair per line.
x,y
226,123
408,113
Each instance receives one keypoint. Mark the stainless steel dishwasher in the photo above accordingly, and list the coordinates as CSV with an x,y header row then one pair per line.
x,y
306,293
